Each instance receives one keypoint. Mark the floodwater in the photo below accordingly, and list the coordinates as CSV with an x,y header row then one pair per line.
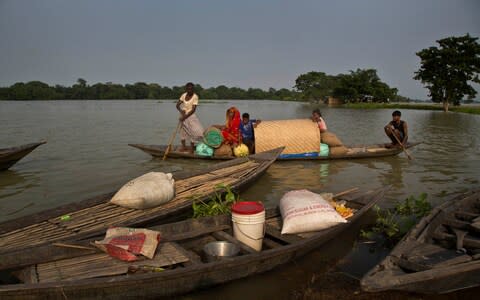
x,y
87,155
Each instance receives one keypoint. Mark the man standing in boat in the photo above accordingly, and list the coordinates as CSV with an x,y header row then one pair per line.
x,y
192,129
397,130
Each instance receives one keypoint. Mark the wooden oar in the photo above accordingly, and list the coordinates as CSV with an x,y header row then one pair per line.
x,y
346,192
403,147
172,138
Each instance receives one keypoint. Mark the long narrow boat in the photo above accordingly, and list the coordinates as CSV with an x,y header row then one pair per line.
x,y
9,156
92,217
353,152
436,256
179,265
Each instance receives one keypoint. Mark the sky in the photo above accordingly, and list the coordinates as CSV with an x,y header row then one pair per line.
x,y
220,42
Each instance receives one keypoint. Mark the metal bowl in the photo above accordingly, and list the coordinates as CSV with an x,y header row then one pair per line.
x,y
217,250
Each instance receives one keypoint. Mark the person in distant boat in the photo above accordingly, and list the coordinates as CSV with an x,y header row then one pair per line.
x,y
231,130
317,117
191,129
246,129
397,130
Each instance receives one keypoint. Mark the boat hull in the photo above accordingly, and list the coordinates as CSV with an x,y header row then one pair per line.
x,y
10,156
355,152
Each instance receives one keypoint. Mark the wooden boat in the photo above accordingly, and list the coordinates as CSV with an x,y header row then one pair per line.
x,y
92,217
436,256
9,156
90,274
354,151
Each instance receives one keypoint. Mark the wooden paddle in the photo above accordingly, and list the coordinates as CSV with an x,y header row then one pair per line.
x,y
172,138
403,147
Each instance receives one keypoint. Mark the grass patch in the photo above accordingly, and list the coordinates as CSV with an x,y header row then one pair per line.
x,y
463,109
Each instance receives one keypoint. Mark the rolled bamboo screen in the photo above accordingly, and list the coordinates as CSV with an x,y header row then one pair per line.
x,y
298,136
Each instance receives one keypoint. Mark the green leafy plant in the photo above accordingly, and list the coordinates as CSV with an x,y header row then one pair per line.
x,y
220,203
393,224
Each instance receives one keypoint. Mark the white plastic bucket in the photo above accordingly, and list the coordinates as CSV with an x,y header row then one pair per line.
x,y
249,228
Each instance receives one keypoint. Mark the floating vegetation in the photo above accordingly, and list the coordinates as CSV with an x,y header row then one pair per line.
x,y
392,224
217,204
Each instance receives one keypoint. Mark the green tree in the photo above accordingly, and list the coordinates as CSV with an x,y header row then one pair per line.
x,y
447,70
362,85
316,85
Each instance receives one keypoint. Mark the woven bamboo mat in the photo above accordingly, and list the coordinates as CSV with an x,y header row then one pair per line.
x,y
298,136
99,265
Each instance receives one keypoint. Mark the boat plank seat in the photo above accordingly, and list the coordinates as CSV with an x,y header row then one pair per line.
x,y
468,242
475,226
99,265
223,236
466,215
193,258
457,224
428,256
271,243
276,234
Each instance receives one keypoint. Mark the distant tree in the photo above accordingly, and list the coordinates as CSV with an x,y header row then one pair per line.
x,y
447,70
82,82
315,85
362,85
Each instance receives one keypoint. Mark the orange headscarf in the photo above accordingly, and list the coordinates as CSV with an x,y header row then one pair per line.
x,y
231,133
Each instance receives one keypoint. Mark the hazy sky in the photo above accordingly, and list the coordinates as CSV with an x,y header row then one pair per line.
x,y
236,43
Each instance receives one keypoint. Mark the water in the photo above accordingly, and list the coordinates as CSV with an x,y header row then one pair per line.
x,y
87,155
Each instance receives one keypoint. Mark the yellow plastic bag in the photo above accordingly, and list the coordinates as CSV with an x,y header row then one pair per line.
x,y
240,150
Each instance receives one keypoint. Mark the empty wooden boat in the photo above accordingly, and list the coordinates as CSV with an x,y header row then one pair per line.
x,y
353,152
92,217
9,156
440,255
79,271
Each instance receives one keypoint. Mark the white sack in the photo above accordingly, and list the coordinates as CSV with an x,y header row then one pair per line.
x,y
304,211
146,191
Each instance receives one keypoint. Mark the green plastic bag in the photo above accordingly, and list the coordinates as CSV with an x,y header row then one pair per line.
x,y
213,137
204,150
324,150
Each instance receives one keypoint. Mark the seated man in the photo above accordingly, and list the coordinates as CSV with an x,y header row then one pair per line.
x,y
397,131
246,128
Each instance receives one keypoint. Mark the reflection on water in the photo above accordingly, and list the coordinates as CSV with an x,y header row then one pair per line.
x,y
13,183
87,155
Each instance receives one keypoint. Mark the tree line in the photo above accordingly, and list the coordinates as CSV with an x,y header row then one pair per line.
x,y
314,86
37,90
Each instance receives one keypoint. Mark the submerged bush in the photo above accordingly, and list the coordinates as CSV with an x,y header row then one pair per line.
x,y
392,224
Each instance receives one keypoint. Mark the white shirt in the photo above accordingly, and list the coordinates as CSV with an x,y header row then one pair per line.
x,y
187,106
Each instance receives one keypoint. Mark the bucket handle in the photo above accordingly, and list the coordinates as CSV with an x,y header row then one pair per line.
x,y
256,239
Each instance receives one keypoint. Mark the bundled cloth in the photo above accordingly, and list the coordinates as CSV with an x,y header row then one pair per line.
x,y
336,147
330,139
126,243
223,150
213,137
149,190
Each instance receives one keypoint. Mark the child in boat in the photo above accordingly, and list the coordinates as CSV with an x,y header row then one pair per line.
x,y
246,129
231,130
192,129
317,117
397,130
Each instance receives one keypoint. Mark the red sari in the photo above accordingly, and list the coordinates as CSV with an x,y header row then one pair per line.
x,y
231,133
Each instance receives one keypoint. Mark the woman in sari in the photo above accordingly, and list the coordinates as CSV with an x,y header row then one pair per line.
x,y
231,131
